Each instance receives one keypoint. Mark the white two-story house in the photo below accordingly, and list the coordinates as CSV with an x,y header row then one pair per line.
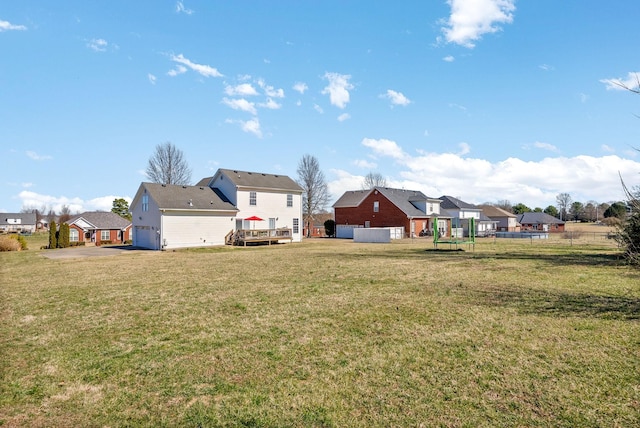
x,y
174,216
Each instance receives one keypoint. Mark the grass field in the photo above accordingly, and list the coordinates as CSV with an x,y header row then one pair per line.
x,y
324,333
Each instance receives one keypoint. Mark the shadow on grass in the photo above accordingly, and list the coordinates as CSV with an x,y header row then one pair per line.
x,y
561,304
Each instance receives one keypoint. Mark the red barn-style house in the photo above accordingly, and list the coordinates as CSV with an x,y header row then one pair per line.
x,y
388,207
96,228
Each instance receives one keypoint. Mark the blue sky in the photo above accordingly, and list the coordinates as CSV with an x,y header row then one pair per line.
x,y
485,100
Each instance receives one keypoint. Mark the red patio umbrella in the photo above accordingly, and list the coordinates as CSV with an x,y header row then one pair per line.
x,y
254,218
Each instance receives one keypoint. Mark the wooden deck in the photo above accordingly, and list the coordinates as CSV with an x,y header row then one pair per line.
x,y
270,236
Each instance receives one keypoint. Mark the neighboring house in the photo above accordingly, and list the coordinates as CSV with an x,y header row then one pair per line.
x,y
317,228
507,222
461,212
18,222
99,228
540,222
388,207
173,216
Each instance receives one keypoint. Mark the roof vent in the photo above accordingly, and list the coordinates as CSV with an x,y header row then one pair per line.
x,y
184,187
201,188
190,202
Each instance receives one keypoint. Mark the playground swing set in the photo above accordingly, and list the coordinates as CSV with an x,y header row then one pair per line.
x,y
471,241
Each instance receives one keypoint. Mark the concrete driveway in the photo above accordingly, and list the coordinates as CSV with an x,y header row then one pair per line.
x,y
80,252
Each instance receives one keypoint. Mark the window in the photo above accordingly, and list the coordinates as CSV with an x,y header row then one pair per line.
x,y
252,198
296,225
376,206
105,235
73,235
145,202
289,200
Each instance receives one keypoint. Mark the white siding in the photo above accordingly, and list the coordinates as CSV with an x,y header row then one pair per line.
x,y
272,205
183,229
146,224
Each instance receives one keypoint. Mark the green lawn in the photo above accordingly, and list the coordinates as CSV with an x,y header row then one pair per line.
x,y
323,333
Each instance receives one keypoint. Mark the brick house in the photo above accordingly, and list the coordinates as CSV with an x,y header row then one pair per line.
x,y
99,227
535,221
388,207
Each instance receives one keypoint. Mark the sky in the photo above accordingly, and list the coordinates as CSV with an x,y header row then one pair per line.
x,y
483,100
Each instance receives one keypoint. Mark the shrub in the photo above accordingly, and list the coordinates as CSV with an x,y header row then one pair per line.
x,y
611,221
330,227
7,243
21,241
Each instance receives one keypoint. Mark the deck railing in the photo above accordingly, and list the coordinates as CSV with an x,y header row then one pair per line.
x,y
242,236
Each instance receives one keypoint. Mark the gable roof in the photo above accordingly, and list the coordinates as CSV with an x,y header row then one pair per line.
x,y
451,203
189,198
101,220
538,218
257,180
25,218
401,198
491,211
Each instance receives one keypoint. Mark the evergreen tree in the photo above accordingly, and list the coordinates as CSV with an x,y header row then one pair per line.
x,y
53,235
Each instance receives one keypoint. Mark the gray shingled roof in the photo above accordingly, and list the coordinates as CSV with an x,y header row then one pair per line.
x,y
450,203
172,196
538,218
260,180
25,218
351,198
101,220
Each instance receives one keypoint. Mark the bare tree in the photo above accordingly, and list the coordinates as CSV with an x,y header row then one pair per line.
x,y
563,201
168,166
505,204
65,214
316,192
374,179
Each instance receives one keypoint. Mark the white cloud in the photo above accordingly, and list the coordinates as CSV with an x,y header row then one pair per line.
x,y
97,45
384,147
152,78
396,98
545,146
338,88
474,180
365,164
470,20
180,69
449,58
546,67
632,81
541,146
26,185
270,91
76,205
240,104
606,148
7,26
458,106
270,104
251,126
181,9
202,69
300,87
317,108
464,149
244,89
35,156
343,117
